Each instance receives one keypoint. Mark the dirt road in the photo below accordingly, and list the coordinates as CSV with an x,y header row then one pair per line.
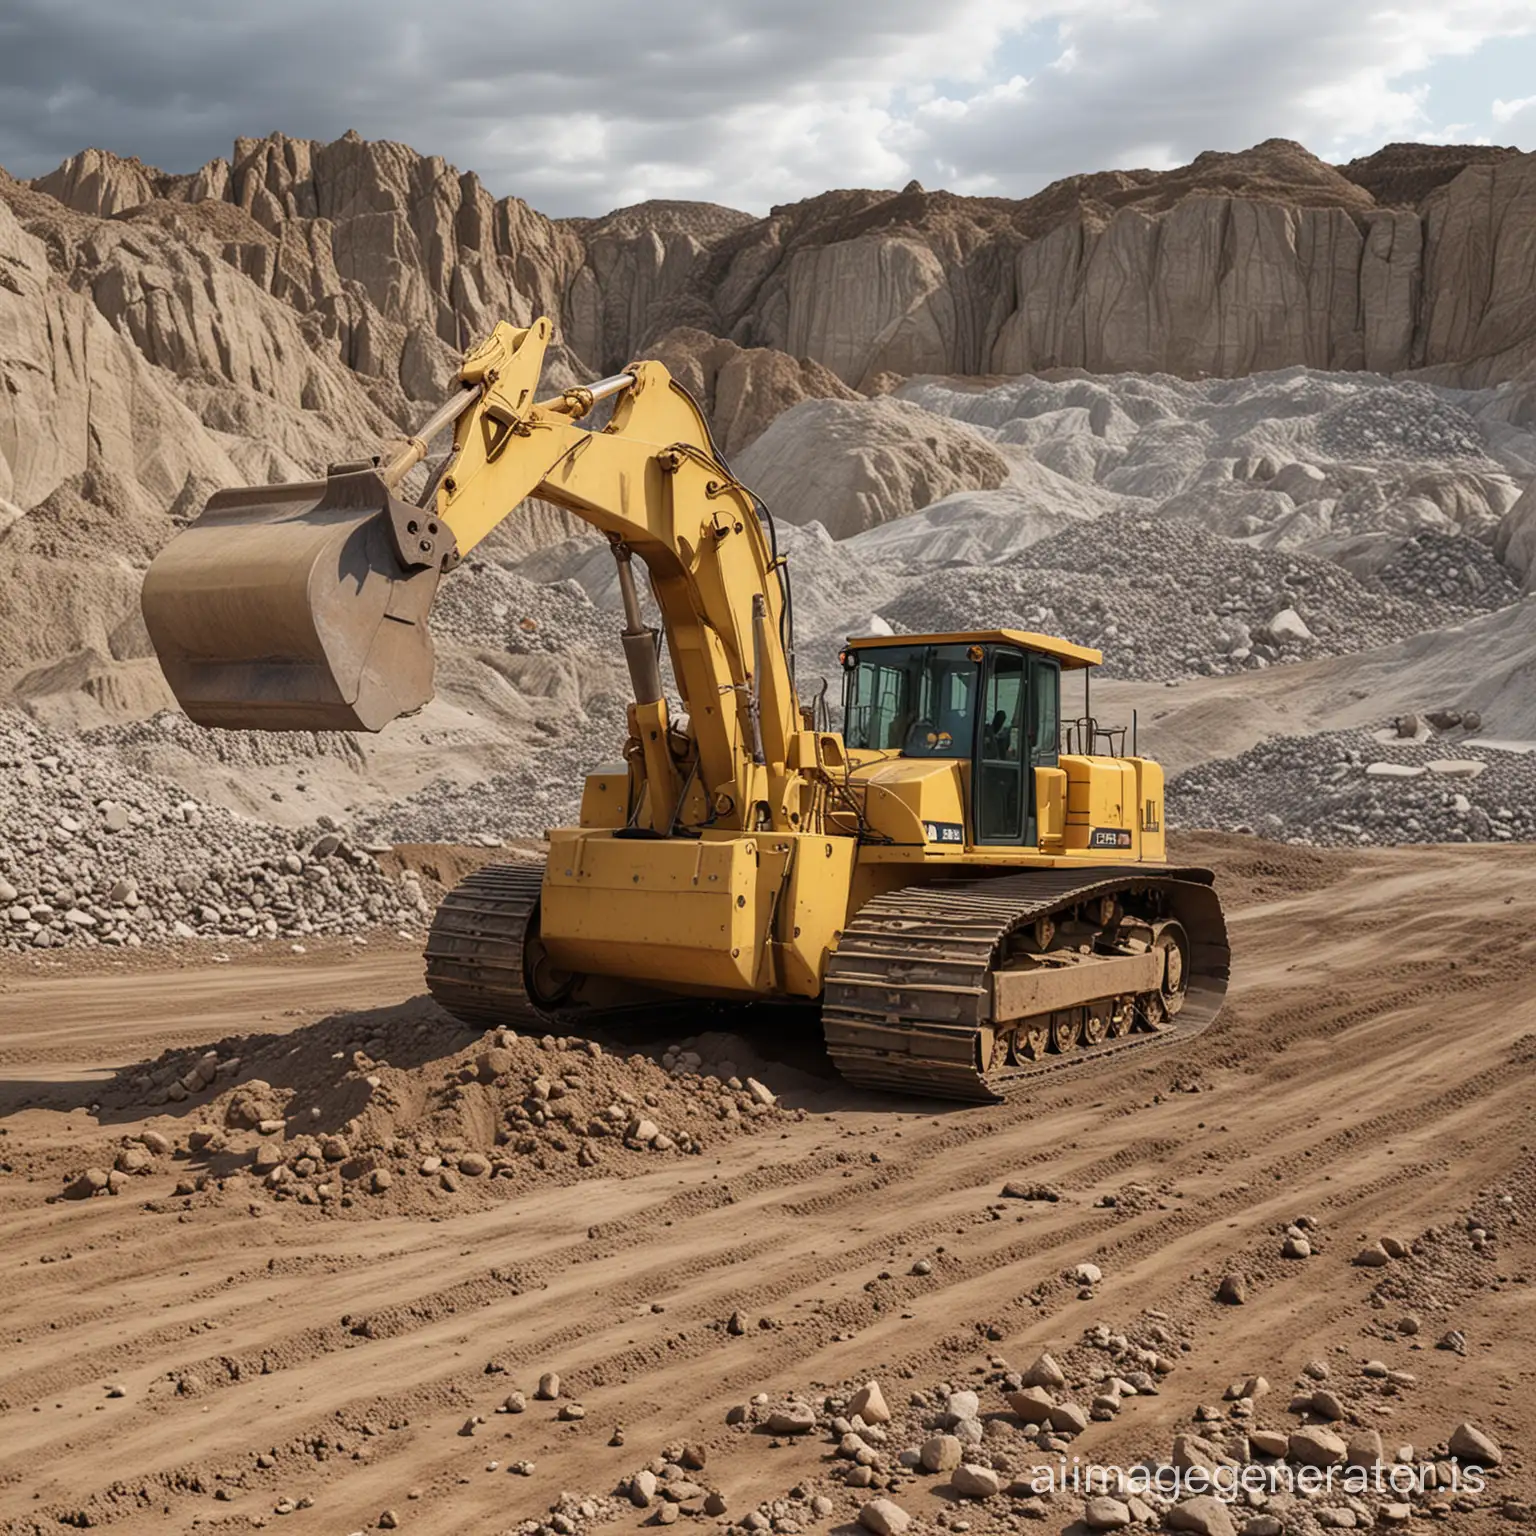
x,y
1375,1070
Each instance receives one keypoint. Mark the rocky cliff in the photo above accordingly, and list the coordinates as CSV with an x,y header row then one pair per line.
x,y
162,334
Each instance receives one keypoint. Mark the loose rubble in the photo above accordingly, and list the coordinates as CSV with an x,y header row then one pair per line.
x,y
1363,787
401,1113
92,854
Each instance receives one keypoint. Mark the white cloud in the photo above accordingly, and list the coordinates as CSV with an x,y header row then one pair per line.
x,y
1504,111
745,102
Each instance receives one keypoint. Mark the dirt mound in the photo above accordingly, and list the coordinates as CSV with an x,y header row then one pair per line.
x,y
402,1110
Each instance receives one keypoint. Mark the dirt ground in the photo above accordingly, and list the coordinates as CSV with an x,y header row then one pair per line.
x,y
1375,1071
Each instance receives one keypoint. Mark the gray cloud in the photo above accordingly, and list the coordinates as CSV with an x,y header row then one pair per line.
x,y
743,102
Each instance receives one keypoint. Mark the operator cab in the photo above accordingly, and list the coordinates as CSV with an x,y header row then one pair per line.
x,y
992,697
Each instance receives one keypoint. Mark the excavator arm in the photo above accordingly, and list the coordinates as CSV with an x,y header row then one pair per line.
x,y
306,606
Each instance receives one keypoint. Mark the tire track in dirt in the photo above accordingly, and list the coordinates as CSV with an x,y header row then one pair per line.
x,y
801,1237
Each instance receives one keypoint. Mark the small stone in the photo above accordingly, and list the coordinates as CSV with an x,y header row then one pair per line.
x,y
1105,1514
714,1503
1372,1256
549,1387
1469,1444
1262,1525
884,1517
760,1094
923,1267
974,1482
514,1402
941,1453
1044,1373
1269,1442
1017,1189
1032,1404
1296,1248
474,1165
642,1488
869,1404
1395,1514
792,1419
155,1143
494,1063
1316,1447
1088,1274
1233,1290
1327,1405
389,1520
1204,1515
1364,1449
1069,1418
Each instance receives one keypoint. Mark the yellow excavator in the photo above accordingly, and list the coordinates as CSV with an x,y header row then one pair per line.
x,y
972,888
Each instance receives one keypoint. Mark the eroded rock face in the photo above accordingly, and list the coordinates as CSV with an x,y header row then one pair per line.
x,y
854,464
163,335
743,390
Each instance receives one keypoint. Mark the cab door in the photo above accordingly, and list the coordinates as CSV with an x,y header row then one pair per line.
x,y
1003,808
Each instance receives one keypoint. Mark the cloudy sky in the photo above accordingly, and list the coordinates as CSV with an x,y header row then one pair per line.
x,y
584,108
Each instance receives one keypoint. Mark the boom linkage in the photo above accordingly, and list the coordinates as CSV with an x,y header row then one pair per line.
x,y
652,481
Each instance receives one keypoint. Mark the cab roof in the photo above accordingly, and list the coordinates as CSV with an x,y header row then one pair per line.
x,y
1069,655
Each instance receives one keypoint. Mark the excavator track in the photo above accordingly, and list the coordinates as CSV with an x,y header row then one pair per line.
x,y
909,994
475,948
908,1006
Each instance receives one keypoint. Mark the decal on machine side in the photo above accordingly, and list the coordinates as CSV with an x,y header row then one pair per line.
x,y
944,831
1110,837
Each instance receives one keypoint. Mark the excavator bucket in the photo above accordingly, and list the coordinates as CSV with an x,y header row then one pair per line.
x,y
299,607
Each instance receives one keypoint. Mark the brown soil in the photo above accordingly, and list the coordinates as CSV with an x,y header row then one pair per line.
x,y
1373,1070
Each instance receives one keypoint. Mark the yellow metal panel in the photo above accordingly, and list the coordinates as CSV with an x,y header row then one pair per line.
x,y
1065,651
1102,796
813,910
1051,804
605,797
1154,839
680,911
903,794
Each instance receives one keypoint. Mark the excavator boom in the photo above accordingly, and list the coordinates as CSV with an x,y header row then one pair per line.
x,y
306,606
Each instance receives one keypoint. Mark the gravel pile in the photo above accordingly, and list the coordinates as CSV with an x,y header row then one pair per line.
x,y
1348,788
1165,599
483,604
1399,420
95,853
542,789
141,742
1442,567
